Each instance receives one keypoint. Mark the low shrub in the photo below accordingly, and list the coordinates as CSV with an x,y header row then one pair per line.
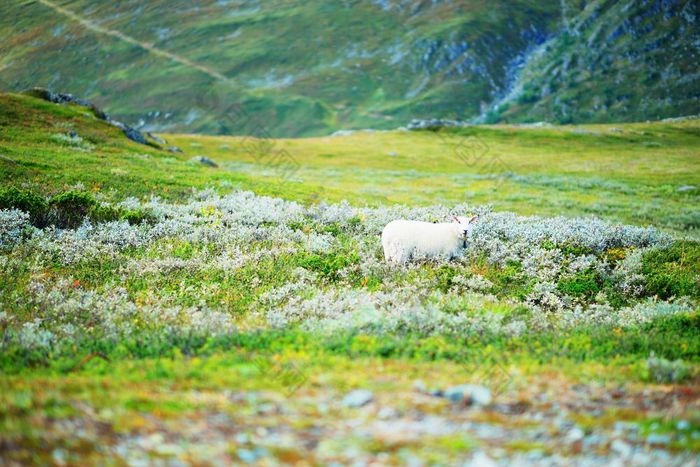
x,y
328,265
510,280
673,271
69,209
583,284
27,201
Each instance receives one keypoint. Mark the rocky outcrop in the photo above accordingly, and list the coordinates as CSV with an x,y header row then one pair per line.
x,y
433,123
63,98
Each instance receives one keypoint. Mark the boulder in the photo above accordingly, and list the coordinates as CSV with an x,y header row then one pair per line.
x,y
204,160
358,398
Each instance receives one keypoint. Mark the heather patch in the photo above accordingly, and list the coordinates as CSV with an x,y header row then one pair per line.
x,y
216,263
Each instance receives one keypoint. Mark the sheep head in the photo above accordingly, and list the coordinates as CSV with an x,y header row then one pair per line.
x,y
464,225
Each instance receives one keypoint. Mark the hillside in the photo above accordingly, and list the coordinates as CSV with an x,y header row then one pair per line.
x,y
638,173
309,68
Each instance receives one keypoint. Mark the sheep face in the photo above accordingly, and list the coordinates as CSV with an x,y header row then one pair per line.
x,y
464,225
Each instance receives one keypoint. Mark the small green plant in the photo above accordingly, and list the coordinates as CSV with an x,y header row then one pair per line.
x,y
510,280
583,284
328,265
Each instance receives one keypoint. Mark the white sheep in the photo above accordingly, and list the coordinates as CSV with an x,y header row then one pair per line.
x,y
405,240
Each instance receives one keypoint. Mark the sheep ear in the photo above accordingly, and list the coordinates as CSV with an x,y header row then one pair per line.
x,y
473,219
456,219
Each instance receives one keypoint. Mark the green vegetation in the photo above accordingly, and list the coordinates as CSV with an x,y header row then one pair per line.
x,y
673,271
65,210
608,171
161,325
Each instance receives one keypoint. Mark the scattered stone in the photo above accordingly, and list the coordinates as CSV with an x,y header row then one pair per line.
x,y
658,439
624,428
204,160
174,149
157,139
469,393
681,119
540,124
621,448
592,441
419,386
682,425
481,459
535,455
392,154
684,188
132,134
358,398
575,435
387,413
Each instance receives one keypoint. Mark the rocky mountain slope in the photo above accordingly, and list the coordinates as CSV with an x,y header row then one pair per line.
x,y
615,61
291,68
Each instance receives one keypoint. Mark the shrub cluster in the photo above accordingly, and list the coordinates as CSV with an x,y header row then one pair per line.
x,y
66,210
271,263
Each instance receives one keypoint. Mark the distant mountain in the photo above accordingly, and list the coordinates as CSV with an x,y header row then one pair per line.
x,y
291,68
613,61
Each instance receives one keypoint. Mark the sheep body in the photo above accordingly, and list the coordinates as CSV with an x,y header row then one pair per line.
x,y
406,240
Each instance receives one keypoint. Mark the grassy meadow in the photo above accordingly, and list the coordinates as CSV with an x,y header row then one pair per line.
x,y
157,309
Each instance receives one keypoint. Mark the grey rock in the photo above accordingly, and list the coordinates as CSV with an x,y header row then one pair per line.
x,y
204,160
535,455
419,386
358,398
157,139
621,448
386,413
433,123
134,135
682,425
470,393
658,439
174,149
575,434
592,441
480,459
684,188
